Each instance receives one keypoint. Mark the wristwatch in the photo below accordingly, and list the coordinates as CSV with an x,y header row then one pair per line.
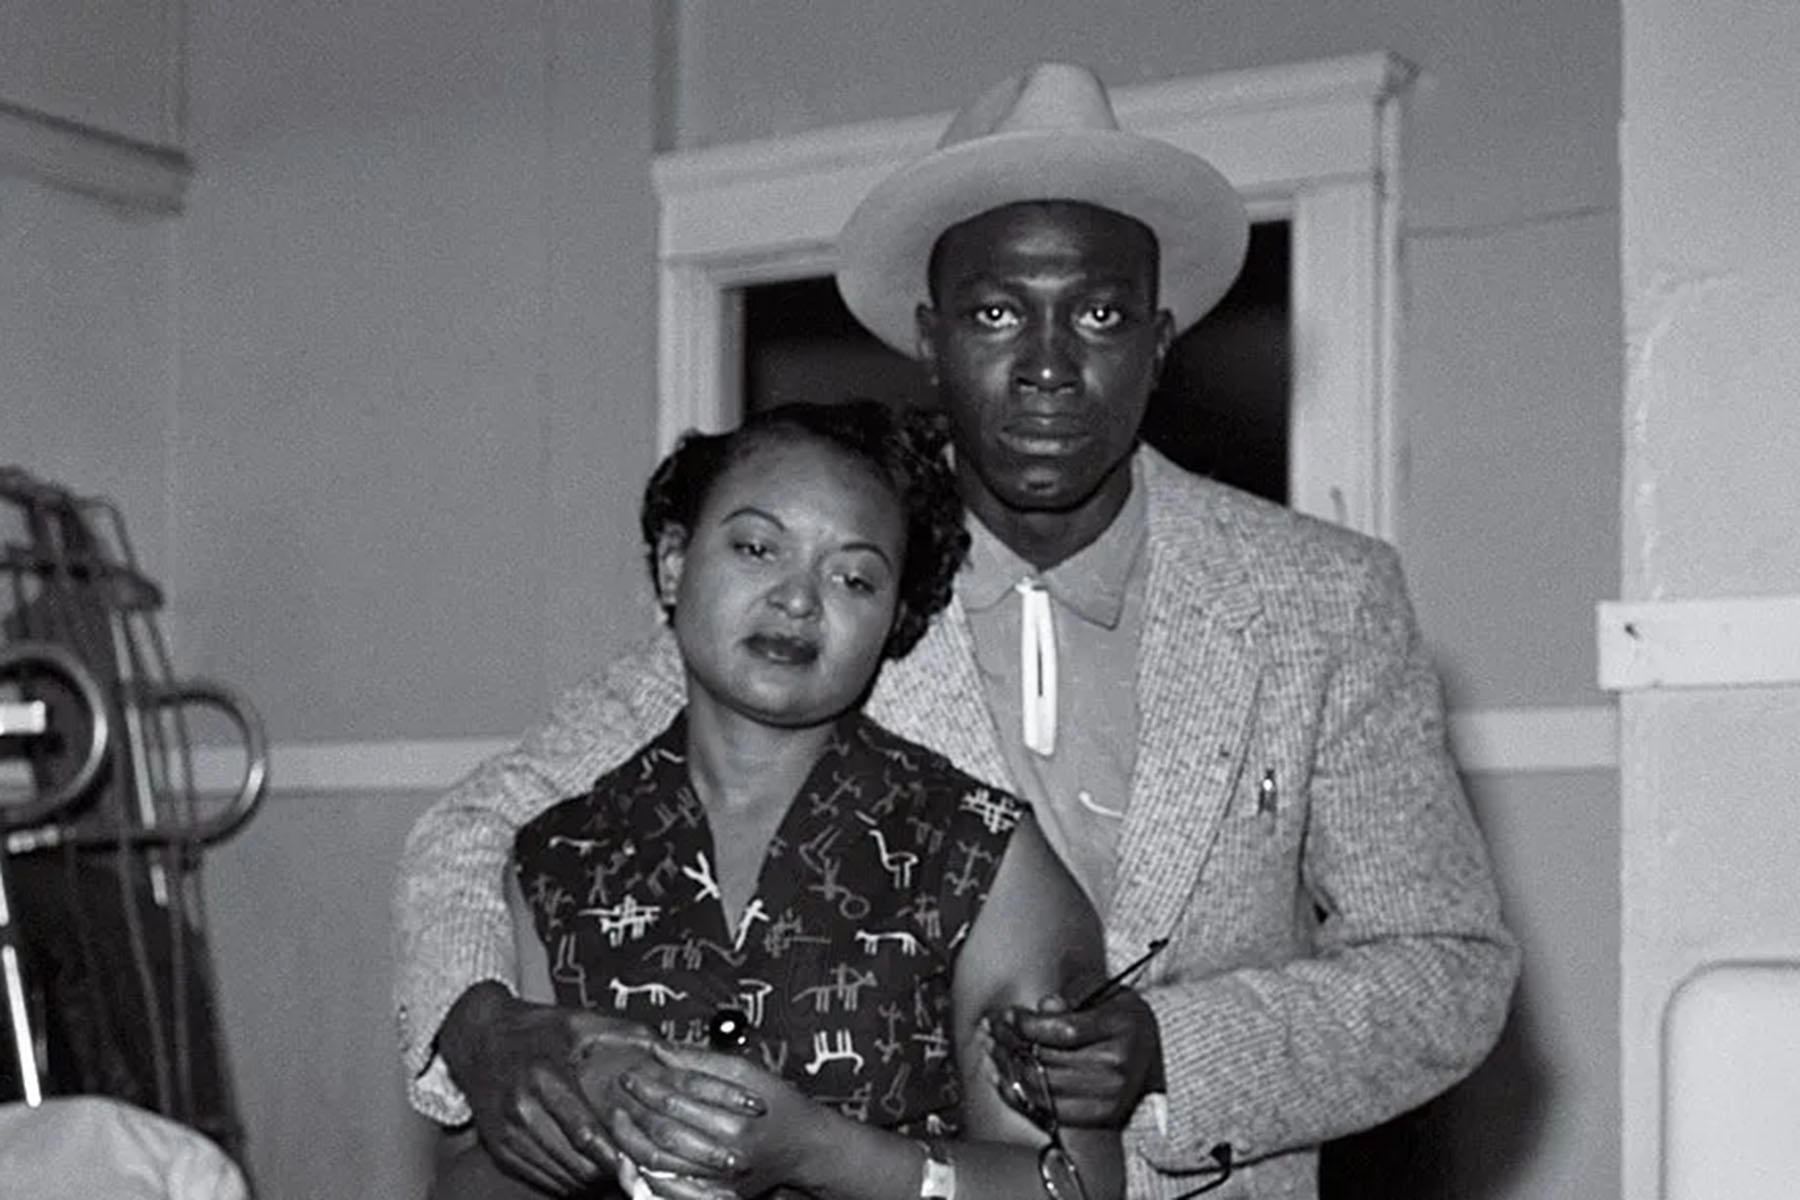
x,y
938,1179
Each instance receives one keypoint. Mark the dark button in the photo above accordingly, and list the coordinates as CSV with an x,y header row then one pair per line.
x,y
729,1030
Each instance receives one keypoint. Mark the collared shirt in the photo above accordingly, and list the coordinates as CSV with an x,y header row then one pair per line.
x,y
1097,608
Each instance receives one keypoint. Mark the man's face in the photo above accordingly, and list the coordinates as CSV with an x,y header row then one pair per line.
x,y
1044,340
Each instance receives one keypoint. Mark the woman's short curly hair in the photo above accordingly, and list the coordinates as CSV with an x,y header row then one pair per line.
x,y
906,450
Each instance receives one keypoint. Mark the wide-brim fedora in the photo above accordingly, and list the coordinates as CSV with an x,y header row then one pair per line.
x,y
1048,133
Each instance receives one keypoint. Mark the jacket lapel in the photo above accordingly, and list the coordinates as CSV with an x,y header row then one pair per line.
x,y
1198,672
935,696
1197,677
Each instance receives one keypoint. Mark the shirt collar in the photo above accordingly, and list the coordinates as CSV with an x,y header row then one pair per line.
x,y
1091,583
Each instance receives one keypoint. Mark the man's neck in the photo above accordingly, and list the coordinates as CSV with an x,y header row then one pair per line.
x,y
1045,538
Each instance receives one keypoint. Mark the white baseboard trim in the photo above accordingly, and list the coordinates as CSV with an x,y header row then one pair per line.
x,y
1486,741
1707,643
425,765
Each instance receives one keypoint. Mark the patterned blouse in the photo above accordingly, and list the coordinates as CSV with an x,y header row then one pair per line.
x,y
843,956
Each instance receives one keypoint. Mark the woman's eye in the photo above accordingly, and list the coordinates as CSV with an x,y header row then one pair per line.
x,y
751,548
862,585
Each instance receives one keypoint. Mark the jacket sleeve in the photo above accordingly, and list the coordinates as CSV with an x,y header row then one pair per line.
x,y
1412,970
451,925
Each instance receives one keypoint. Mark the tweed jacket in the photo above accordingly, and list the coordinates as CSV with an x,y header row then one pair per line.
x,y
1296,827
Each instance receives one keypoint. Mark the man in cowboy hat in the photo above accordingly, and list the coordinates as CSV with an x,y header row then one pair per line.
x,y
1220,709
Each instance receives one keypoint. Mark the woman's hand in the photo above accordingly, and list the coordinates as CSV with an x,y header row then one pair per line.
x,y
1099,1062
718,1117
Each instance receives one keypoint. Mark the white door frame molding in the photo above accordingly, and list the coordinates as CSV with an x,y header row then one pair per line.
x,y
1313,143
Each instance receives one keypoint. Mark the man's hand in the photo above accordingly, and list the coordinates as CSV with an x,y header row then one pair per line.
x,y
530,1072
1099,1062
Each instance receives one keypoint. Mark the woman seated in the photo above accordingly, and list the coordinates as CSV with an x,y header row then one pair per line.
x,y
851,900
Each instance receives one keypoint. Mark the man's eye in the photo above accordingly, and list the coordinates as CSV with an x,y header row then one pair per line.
x,y
1102,316
995,316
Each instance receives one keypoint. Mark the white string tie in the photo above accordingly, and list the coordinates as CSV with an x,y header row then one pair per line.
x,y
1037,667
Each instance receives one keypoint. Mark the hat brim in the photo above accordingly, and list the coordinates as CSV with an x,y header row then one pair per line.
x,y
1199,220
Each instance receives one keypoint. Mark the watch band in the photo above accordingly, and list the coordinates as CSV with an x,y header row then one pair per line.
x,y
937,1180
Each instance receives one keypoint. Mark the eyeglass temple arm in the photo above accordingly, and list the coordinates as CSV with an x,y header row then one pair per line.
x,y
1114,983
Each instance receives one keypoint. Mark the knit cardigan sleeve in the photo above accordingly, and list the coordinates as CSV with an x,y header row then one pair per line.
x,y
451,925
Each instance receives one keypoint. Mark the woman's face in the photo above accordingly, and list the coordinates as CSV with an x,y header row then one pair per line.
x,y
785,590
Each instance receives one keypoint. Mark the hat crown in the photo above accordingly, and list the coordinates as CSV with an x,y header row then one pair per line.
x,y
1048,96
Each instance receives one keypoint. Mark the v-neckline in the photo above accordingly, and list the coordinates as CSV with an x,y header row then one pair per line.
x,y
768,896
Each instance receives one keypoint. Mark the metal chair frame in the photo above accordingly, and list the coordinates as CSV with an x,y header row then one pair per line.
x,y
84,619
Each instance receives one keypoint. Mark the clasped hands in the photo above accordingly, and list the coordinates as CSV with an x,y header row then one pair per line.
x,y
562,1098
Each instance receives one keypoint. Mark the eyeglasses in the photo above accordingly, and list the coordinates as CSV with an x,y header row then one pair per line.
x,y
1024,1078
1115,984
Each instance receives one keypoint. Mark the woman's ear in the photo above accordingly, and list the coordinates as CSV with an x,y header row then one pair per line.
x,y
671,554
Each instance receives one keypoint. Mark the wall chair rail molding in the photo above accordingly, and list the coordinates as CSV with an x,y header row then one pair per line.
x,y
1313,143
91,161
1702,643
1486,741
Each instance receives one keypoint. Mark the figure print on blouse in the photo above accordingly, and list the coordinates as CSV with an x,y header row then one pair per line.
x,y
843,956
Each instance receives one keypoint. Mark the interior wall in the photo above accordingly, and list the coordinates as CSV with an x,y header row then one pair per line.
x,y
1710,258
415,328
111,64
415,337
85,359
299,908
85,387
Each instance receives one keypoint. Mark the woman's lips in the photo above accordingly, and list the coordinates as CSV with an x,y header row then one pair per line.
x,y
782,648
